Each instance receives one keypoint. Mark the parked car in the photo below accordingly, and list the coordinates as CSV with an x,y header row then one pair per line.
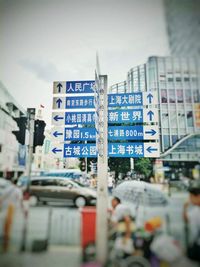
x,y
61,190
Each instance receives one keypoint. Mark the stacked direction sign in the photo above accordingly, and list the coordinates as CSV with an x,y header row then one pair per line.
x,y
74,104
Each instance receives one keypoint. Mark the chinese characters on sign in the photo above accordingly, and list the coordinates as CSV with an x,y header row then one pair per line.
x,y
84,95
76,87
77,134
79,150
121,100
132,116
79,102
136,150
79,118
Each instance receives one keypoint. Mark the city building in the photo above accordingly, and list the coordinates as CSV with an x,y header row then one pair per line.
x,y
12,154
177,82
183,26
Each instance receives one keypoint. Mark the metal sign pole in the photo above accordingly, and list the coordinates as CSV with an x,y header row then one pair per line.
x,y
31,114
31,119
102,173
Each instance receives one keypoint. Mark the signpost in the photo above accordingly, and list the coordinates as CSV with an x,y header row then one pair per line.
x,y
125,150
80,113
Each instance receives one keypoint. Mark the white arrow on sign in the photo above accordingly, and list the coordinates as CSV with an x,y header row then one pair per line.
x,y
59,87
59,102
151,150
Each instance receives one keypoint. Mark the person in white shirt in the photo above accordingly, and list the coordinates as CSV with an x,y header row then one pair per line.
x,y
191,216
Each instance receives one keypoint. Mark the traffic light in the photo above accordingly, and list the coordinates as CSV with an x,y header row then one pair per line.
x,y
83,165
38,133
21,133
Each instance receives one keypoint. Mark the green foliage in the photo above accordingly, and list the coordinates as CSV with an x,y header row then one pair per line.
x,y
119,165
144,166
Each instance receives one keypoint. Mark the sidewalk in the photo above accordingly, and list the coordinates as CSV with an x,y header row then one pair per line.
x,y
55,256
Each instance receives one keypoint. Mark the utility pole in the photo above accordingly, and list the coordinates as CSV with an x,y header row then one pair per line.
x,y
102,170
31,120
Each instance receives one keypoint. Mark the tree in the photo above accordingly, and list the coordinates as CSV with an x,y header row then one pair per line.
x,y
119,165
144,166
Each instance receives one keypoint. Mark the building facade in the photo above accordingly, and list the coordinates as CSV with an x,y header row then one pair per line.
x,y
176,80
12,154
183,26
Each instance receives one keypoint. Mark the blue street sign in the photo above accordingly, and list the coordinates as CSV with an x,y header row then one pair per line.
x,y
80,87
137,132
79,150
79,134
79,102
79,118
120,150
122,100
133,150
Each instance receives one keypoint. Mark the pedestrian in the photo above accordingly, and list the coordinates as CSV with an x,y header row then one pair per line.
x,y
110,183
123,224
191,216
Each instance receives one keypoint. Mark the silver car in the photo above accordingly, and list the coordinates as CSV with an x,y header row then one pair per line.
x,y
61,190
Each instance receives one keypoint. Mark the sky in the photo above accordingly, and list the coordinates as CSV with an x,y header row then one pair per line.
x,y
57,40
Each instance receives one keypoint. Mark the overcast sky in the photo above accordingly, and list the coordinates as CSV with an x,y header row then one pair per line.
x,y
44,41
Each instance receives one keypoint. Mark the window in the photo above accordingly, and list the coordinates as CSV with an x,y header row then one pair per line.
x,y
165,122
174,138
166,141
190,122
49,182
196,96
188,96
36,182
178,79
181,119
62,182
163,95
179,94
170,79
173,121
171,95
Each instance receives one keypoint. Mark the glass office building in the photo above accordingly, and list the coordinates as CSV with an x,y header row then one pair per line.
x,y
183,26
176,80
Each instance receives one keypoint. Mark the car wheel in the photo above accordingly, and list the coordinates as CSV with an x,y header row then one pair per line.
x,y
80,202
33,201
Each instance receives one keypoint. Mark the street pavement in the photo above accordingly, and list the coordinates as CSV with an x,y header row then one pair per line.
x,y
55,256
61,226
